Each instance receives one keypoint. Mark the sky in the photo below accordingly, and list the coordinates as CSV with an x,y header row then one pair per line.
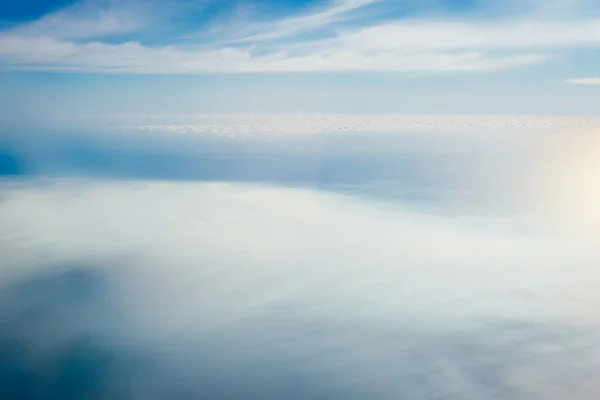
x,y
429,231
62,57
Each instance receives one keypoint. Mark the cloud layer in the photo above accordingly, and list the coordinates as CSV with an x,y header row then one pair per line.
x,y
157,290
266,125
161,290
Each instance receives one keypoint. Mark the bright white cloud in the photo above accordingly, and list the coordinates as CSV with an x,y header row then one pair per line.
x,y
378,299
434,35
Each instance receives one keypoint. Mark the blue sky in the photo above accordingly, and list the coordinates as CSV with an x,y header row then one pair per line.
x,y
393,56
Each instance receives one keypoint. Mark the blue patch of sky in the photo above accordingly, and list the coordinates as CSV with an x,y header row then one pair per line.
x,y
16,11
390,10
291,6
201,22
196,16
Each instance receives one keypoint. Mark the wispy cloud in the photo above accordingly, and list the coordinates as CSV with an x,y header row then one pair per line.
x,y
303,23
85,20
71,40
583,81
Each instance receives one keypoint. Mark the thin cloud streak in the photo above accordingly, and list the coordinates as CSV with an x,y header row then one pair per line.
x,y
296,25
583,81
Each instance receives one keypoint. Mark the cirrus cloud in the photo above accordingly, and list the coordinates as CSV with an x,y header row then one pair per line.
x,y
344,35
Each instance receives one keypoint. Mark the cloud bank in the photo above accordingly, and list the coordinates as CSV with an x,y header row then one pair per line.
x,y
161,290
158,290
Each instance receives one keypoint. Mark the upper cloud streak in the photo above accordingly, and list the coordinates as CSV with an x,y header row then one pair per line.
x,y
345,35
583,81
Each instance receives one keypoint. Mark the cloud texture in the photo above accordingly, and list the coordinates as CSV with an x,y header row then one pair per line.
x,y
242,291
340,35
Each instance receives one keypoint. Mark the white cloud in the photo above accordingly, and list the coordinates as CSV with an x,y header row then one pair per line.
x,y
133,57
583,81
377,299
297,25
433,35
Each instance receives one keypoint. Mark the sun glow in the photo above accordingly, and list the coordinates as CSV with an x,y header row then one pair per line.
x,y
567,182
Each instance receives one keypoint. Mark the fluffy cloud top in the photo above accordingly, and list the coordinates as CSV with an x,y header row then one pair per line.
x,y
162,290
